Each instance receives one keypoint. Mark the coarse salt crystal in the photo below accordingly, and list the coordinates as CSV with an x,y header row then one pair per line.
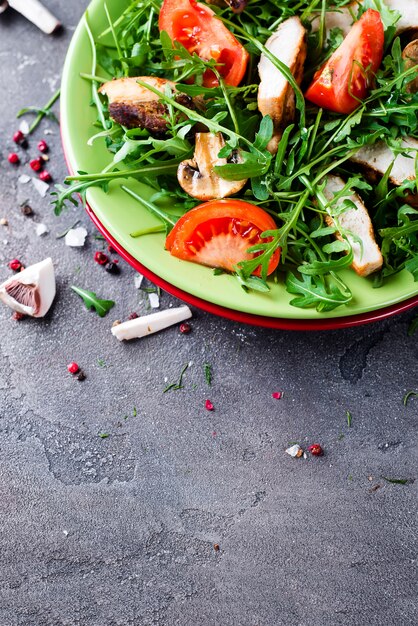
x,y
76,237
138,281
24,127
154,300
40,186
295,451
41,229
23,179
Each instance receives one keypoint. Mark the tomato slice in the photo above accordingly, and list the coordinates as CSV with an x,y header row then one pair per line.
x,y
348,72
194,26
218,234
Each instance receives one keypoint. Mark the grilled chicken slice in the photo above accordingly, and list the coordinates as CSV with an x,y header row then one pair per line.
x,y
377,158
134,106
275,96
367,258
343,17
410,56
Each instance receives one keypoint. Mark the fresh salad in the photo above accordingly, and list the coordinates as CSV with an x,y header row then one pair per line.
x,y
280,137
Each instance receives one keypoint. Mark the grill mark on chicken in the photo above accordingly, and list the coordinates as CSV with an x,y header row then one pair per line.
x,y
151,116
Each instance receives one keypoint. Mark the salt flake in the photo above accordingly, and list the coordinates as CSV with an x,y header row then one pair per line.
x,y
154,300
40,186
295,451
24,127
138,281
41,229
23,179
76,237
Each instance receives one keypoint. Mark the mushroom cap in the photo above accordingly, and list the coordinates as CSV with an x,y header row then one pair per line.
x,y
32,291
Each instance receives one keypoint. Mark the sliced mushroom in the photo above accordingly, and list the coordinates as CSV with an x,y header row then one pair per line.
x,y
410,56
197,176
32,291
357,224
275,96
376,159
135,106
343,17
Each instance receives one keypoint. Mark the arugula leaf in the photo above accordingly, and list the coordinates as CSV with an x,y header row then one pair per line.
x,y
92,301
312,291
396,481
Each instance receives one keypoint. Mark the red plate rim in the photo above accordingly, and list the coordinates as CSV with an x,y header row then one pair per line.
x,y
278,323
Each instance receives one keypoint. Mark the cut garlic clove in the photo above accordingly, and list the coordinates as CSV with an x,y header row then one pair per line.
x,y
32,291
149,324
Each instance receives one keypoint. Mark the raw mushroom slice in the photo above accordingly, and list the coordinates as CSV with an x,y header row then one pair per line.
x,y
32,291
134,106
410,56
367,258
197,177
343,17
376,159
275,96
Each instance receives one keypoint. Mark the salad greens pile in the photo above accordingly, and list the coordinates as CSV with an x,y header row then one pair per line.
x,y
288,185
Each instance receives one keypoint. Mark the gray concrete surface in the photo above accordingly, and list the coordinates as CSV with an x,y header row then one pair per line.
x,y
121,531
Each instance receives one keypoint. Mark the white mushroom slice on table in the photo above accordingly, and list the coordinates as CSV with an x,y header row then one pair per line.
x,y
275,95
378,158
32,291
197,177
343,17
149,324
357,222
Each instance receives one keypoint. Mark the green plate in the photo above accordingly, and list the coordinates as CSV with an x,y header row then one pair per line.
x,y
121,215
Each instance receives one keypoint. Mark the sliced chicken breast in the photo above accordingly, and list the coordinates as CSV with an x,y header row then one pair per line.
x,y
275,96
367,258
134,106
410,56
379,157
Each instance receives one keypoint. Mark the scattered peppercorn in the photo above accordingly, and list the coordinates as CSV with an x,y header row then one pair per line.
x,y
16,265
276,395
81,376
209,406
26,210
43,146
18,316
216,547
111,249
13,158
45,176
4,222
101,258
185,328
36,164
112,268
133,316
316,449
18,137
73,367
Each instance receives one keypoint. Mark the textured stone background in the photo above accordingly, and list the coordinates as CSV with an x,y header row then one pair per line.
x,y
120,531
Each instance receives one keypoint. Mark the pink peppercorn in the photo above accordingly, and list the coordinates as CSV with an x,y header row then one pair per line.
x,y
17,316
16,265
18,137
133,316
101,258
185,328
45,176
209,406
316,449
276,395
73,368
36,164
43,146
13,158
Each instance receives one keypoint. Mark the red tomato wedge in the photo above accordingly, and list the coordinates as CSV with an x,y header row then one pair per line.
x,y
348,72
195,26
218,234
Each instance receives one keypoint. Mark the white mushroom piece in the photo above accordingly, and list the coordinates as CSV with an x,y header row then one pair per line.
x,y
134,106
358,225
344,17
377,158
197,176
275,96
410,56
32,291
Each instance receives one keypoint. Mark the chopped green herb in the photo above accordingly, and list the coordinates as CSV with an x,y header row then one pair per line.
x,y
396,481
92,301
103,435
134,413
349,418
208,373
410,394
341,436
41,112
101,362
179,384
